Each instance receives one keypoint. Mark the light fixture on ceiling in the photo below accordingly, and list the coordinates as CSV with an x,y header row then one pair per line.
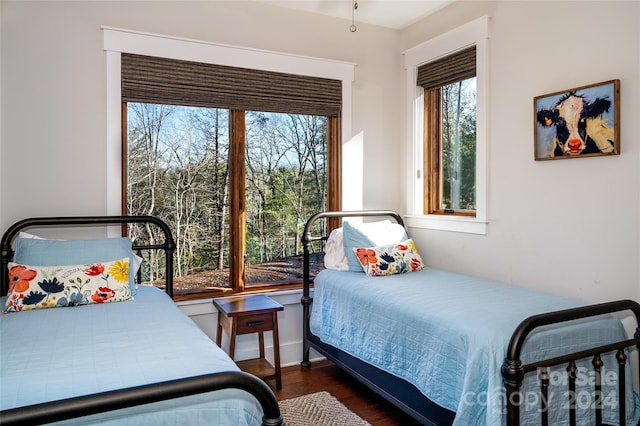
x,y
353,27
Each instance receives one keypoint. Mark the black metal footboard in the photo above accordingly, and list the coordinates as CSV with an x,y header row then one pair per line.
x,y
107,401
514,371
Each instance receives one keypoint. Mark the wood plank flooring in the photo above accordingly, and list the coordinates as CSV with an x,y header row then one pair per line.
x,y
325,376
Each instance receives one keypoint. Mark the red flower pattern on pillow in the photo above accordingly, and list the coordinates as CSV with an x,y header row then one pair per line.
x,y
389,260
94,270
19,277
103,294
39,287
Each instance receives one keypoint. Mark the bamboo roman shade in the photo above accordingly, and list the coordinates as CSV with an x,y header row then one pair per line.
x,y
151,79
450,69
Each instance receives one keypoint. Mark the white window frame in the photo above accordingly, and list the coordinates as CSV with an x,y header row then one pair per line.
x,y
117,41
473,33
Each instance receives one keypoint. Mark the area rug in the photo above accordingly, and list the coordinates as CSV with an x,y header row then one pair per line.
x,y
318,409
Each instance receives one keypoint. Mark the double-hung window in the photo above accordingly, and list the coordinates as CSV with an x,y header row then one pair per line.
x,y
234,159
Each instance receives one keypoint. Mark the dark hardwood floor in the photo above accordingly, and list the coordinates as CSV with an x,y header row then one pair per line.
x,y
325,376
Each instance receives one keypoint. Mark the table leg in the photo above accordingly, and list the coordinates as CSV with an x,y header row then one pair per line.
x,y
261,343
276,352
232,339
219,333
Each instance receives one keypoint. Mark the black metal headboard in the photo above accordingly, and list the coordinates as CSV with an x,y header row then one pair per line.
x,y
307,237
168,245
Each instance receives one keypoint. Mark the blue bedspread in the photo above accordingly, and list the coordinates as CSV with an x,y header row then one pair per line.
x,y
58,353
448,333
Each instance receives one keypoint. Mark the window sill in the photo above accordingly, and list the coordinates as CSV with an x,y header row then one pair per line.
x,y
467,225
195,296
185,295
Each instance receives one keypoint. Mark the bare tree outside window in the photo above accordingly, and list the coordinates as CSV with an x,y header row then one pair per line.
x,y
459,145
450,147
286,183
179,167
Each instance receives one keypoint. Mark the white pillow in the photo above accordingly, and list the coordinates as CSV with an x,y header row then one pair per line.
x,y
334,256
23,234
382,232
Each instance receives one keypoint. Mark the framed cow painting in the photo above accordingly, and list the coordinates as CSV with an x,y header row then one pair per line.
x,y
580,122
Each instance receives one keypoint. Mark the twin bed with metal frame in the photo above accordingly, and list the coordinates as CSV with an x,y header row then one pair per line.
x,y
445,348
451,349
84,359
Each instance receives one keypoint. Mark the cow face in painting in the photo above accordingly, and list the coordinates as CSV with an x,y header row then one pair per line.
x,y
580,128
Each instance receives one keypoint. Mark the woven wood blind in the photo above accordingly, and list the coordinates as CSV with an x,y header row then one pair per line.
x,y
450,69
151,79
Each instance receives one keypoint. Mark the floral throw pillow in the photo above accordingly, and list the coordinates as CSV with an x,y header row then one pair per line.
x,y
390,259
38,287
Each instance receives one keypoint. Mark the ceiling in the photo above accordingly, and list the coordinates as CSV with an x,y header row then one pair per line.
x,y
395,14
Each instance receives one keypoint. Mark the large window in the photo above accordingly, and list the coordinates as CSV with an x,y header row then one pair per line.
x,y
236,185
450,133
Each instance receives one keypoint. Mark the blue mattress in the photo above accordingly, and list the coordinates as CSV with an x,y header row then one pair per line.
x,y
51,354
447,334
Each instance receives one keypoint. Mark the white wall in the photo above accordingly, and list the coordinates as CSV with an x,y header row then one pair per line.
x,y
570,226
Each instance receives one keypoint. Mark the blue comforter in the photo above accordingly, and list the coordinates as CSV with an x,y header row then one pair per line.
x,y
447,334
51,354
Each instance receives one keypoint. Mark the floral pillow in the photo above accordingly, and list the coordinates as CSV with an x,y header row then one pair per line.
x,y
390,259
369,234
38,287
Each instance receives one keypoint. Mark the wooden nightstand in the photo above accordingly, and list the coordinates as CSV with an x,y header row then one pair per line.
x,y
251,314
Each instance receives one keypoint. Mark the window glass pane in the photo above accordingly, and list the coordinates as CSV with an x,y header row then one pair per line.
x,y
458,153
286,182
178,170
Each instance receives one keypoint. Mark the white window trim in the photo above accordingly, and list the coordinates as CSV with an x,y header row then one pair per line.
x,y
117,41
475,32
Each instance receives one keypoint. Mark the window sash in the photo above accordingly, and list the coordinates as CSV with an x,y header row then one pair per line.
x,y
237,213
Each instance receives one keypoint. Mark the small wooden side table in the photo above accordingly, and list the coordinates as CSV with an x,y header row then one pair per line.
x,y
251,314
